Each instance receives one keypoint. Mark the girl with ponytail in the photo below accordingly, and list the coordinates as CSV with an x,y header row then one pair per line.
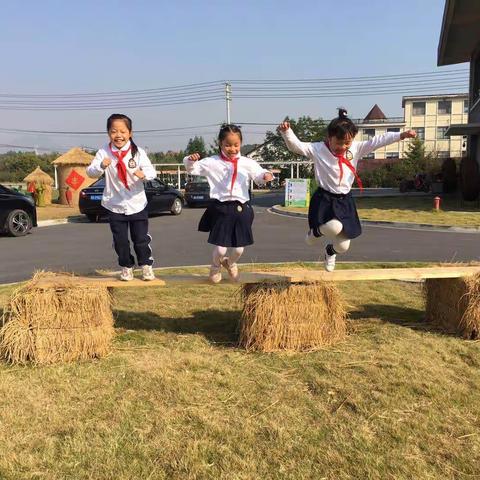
x,y
332,212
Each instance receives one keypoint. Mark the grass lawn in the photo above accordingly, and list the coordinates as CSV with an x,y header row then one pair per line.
x,y
416,210
177,400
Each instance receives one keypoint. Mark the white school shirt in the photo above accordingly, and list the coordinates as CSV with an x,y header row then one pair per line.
x,y
116,197
219,175
327,171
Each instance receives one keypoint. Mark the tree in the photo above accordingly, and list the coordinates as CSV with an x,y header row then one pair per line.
x,y
196,145
15,166
306,128
416,160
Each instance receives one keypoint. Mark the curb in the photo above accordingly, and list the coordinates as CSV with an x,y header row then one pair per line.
x,y
379,223
61,221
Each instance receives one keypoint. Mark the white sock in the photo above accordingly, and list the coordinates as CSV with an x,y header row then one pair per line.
x,y
235,254
218,255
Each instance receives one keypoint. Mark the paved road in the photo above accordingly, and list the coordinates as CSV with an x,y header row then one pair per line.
x,y
83,247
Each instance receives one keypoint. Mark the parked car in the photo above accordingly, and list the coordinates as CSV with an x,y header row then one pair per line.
x,y
161,198
17,212
197,192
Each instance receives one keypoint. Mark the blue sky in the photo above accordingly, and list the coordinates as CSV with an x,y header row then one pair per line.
x,y
100,46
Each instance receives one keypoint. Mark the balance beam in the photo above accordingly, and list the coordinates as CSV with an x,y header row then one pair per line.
x,y
291,275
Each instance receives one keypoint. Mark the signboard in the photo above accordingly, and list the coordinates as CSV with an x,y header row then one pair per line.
x,y
297,192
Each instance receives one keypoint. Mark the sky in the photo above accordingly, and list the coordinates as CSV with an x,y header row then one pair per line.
x,y
65,47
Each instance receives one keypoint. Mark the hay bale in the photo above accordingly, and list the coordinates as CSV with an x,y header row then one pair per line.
x,y
67,322
284,316
454,304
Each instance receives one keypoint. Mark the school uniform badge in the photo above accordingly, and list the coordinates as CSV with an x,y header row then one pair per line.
x,y
132,163
349,155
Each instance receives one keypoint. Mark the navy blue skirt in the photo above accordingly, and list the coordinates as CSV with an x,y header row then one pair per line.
x,y
325,206
229,223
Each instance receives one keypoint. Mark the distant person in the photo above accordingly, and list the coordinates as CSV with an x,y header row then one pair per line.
x,y
126,167
229,217
332,212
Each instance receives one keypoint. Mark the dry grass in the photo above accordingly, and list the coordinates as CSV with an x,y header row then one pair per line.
x,y
42,326
454,305
397,399
56,211
291,317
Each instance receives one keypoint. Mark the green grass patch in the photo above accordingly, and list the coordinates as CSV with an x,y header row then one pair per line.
x,y
177,400
416,210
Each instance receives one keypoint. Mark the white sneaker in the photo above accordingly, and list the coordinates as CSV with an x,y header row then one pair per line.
x,y
215,275
147,273
127,274
311,239
329,262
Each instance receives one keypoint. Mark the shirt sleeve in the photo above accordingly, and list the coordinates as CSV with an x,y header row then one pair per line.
x,y
146,166
378,141
295,145
198,167
95,170
256,172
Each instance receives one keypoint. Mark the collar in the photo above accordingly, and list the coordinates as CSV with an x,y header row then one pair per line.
x,y
125,147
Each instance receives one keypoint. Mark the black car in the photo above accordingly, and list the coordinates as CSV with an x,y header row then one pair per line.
x,y
17,212
160,197
197,192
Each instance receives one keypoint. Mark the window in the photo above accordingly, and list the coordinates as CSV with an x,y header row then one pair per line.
x,y
441,133
420,132
370,156
392,155
393,129
444,107
443,154
418,108
368,133
465,106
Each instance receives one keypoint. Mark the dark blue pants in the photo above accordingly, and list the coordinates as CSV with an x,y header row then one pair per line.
x,y
137,223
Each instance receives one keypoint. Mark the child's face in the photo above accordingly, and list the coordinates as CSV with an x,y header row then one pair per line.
x,y
231,144
119,133
340,145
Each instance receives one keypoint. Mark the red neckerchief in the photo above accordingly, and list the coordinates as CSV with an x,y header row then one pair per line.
x,y
342,160
121,168
234,162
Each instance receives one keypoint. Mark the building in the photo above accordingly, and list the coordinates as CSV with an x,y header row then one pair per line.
x,y
460,42
432,115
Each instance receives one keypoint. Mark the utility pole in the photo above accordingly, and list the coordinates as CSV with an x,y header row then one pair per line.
x,y
228,98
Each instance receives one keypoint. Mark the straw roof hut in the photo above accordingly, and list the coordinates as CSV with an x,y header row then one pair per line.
x,y
72,176
75,156
39,177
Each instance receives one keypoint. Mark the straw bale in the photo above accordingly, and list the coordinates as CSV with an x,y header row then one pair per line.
x,y
298,317
39,176
64,323
75,156
454,305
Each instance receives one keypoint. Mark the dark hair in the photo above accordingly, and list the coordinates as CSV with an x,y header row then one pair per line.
x,y
227,128
342,126
128,123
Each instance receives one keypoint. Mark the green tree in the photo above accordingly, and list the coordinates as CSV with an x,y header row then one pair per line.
x,y
416,160
15,166
306,128
196,145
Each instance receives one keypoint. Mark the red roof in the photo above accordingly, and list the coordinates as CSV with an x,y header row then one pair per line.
x,y
375,114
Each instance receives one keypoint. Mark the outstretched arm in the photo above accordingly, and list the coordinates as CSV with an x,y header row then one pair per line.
x,y
293,143
379,141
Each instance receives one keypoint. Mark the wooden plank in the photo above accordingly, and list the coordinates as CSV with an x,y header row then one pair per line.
x,y
291,275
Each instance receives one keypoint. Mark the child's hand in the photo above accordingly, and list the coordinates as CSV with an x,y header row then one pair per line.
x,y
408,134
139,174
106,162
194,157
268,177
284,126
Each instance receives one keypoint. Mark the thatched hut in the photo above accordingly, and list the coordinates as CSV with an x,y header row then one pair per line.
x,y
43,184
72,176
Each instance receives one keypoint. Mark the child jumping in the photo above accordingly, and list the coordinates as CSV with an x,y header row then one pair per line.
x,y
229,217
332,211
126,167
